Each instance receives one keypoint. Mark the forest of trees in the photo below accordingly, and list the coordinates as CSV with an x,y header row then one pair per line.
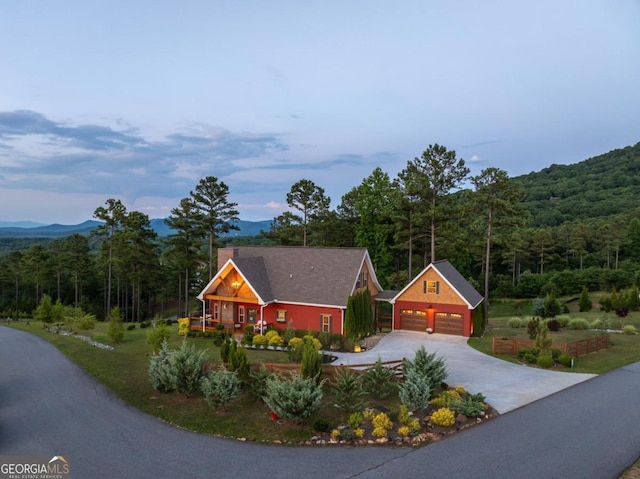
x,y
562,229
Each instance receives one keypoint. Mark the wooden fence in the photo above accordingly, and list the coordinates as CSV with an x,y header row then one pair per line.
x,y
575,349
328,370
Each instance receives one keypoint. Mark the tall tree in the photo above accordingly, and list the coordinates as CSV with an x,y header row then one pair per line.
x,y
499,199
213,211
77,261
435,174
310,200
112,215
375,200
184,244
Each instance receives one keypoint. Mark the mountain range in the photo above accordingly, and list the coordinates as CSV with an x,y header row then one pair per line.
x,y
27,229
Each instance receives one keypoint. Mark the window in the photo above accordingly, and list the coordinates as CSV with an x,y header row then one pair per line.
x,y
431,287
281,315
325,323
241,314
365,279
216,311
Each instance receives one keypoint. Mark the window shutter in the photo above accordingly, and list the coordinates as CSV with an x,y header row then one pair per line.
x,y
424,286
437,287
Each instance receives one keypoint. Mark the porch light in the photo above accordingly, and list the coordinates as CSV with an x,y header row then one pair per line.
x,y
235,284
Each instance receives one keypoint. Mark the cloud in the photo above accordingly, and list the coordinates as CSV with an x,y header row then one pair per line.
x,y
94,158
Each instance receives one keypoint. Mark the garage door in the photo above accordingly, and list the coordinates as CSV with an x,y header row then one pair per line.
x,y
448,323
413,320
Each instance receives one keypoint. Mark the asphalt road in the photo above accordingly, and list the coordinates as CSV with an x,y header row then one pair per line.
x,y
49,406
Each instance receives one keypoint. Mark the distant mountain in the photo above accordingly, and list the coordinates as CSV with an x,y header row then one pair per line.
x,y
20,224
246,228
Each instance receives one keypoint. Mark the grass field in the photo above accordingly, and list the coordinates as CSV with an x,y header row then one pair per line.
x,y
625,349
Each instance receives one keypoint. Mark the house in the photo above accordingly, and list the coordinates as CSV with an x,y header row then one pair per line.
x,y
439,299
307,288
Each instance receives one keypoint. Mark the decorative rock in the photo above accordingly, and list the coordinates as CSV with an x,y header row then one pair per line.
x,y
461,418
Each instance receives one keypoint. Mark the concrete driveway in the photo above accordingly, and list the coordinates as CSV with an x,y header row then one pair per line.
x,y
507,386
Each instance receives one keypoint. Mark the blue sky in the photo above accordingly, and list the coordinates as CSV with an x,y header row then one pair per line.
x,y
139,100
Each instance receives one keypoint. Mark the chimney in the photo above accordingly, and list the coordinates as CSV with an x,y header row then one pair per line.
x,y
225,254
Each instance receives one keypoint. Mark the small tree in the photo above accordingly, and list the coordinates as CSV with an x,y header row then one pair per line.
x,y
415,391
44,311
585,303
220,387
379,380
116,330
294,398
258,382
347,389
427,365
238,362
160,372
543,342
311,365
551,306
533,328
187,365
157,335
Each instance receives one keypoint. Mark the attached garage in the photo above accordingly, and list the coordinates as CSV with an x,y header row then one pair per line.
x,y
413,320
449,323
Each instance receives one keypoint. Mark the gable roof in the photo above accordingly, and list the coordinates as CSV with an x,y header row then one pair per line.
x,y
318,276
454,279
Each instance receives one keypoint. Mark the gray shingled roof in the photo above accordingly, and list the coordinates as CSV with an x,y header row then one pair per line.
x,y
453,276
309,275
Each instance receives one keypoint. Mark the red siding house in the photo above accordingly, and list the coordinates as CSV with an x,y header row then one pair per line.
x,y
439,299
278,286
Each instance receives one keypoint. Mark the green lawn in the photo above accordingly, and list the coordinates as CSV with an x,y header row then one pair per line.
x,y
625,349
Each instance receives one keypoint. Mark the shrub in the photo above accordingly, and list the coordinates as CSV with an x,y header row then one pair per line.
x,y
578,324
131,327
183,326
533,328
347,390
563,320
257,382
585,303
552,306
321,425
443,417
428,366
186,366
44,311
368,415
415,391
335,434
220,387
404,417
468,406
272,333
160,373
225,349
116,331
553,325
516,323
543,342
545,361
156,336
239,362
293,398
247,337
355,420
382,421
380,380
260,340
565,360
403,431
276,341
629,329
359,433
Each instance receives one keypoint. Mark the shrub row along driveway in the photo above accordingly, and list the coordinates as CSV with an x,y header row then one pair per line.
x,y
507,386
48,406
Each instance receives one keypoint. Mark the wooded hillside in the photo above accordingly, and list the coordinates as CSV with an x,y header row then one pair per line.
x,y
601,186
